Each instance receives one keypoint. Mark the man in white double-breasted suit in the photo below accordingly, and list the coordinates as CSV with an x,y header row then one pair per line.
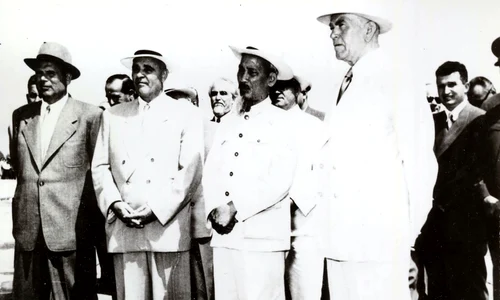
x,y
147,163
248,174
380,157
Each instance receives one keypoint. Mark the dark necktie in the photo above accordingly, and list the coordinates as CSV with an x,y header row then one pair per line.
x,y
345,84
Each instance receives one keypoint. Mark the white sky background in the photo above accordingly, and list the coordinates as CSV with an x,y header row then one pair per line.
x,y
195,35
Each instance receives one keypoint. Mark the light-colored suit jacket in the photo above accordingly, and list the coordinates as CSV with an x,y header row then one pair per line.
x,y
381,162
252,163
311,136
153,158
54,195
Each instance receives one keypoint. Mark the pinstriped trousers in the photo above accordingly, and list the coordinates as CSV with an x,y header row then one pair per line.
x,y
152,275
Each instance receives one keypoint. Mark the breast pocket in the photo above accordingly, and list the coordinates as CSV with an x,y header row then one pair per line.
x,y
73,153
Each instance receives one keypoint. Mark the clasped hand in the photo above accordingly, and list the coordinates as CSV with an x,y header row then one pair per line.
x,y
223,218
133,218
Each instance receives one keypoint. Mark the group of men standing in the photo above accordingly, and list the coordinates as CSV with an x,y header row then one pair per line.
x,y
272,190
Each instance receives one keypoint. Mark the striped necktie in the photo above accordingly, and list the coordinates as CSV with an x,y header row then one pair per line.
x,y
345,84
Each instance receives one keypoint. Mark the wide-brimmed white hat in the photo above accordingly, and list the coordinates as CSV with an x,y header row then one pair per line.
x,y
305,85
128,61
50,51
284,70
375,12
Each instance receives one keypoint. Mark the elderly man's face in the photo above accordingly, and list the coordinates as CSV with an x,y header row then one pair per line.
x,y
253,81
451,90
148,76
221,97
51,81
32,95
114,93
348,36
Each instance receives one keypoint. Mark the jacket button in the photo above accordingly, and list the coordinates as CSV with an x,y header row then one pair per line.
x,y
247,117
226,193
192,203
123,162
152,160
231,173
148,181
236,154
240,135
41,183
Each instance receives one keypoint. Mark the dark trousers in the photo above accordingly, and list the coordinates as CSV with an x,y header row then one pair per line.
x,y
456,275
43,274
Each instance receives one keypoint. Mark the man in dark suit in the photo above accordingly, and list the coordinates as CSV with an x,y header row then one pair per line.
x,y
454,239
52,146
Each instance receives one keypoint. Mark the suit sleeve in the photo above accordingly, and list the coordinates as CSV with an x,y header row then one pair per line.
x,y
190,169
269,189
13,136
104,184
304,187
415,134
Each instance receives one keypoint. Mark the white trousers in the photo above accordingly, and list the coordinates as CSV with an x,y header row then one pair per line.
x,y
152,276
247,275
368,280
304,269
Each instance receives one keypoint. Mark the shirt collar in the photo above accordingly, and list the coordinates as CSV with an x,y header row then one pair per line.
x,y
54,107
456,111
143,103
256,108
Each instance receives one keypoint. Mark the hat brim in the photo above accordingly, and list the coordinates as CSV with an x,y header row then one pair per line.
x,y
284,71
128,61
497,64
383,24
34,63
181,93
305,86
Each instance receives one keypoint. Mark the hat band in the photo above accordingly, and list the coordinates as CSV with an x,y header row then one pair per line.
x,y
147,52
49,57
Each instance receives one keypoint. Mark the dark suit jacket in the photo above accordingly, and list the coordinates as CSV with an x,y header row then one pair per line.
x,y
54,196
457,219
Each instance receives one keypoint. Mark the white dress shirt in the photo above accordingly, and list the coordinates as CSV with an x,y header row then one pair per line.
x,y
48,122
452,116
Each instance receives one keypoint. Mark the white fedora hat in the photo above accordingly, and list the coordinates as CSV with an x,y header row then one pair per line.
x,y
284,70
128,61
50,51
375,12
305,85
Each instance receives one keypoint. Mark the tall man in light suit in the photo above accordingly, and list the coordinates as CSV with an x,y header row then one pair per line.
x,y
52,147
381,162
248,174
148,161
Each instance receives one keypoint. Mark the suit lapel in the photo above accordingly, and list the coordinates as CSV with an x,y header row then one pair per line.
x,y
31,135
455,130
65,127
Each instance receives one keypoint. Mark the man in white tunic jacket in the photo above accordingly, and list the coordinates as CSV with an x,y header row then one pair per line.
x,y
248,174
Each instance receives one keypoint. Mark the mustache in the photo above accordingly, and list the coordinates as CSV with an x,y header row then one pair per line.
x,y
243,86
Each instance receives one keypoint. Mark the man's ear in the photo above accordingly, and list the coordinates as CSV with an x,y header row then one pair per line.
x,y
467,87
164,75
271,80
68,78
370,30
